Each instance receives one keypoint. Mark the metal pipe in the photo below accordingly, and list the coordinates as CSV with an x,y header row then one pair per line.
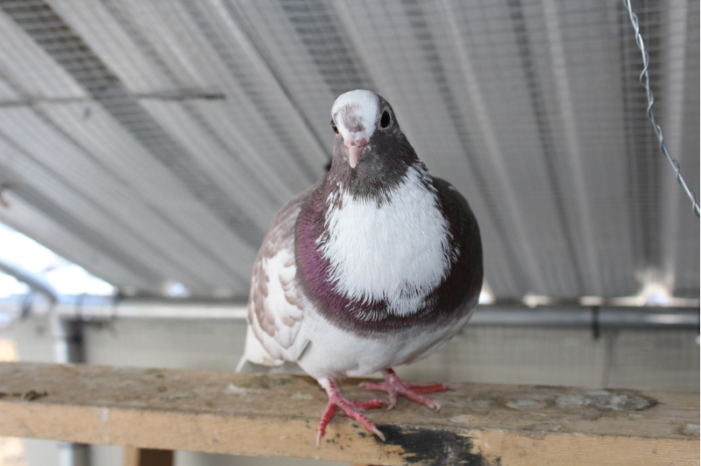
x,y
73,454
86,307
68,348
35,281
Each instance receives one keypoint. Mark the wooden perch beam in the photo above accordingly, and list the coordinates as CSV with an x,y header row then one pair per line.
x,y
277,415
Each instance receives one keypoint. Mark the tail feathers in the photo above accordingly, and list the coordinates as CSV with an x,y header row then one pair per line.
x,y
256,360
249,367
254,351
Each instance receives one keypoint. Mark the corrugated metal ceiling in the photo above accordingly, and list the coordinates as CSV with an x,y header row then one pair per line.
x,y
152,142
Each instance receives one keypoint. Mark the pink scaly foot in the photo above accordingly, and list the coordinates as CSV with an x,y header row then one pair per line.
x,y
395,386
350,408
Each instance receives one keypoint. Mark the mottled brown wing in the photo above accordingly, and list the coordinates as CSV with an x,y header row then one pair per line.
x,y
275,314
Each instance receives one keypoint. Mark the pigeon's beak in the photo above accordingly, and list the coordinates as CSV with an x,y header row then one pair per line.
x,y
355,146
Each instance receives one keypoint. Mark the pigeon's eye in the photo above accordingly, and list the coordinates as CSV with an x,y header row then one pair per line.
x,y
334,127
385,120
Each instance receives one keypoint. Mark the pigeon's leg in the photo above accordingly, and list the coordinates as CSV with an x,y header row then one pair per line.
x,y
395,386
350,408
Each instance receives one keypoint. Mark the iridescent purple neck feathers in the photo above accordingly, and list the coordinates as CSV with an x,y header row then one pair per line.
x,y
386,260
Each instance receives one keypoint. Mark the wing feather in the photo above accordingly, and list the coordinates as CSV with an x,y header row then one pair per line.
x,y
275,315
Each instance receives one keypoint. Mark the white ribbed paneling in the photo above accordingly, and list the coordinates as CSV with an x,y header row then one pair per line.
x,y
23,61
27,219
74,182
131,165
531,108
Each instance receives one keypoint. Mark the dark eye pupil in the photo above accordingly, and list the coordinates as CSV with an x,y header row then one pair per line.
x,y
334,127
385,120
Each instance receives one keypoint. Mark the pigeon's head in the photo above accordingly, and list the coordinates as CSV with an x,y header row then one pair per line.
x,y
368,136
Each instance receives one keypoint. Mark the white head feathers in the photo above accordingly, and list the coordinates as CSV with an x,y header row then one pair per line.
x,y
356,112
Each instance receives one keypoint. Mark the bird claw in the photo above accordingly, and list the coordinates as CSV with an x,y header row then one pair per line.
x,y
363,405
395,386
350,408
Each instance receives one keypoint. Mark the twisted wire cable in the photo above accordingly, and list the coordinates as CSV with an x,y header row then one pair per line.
x,y
645,81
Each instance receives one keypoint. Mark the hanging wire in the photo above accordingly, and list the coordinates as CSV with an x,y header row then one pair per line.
x,y
645,81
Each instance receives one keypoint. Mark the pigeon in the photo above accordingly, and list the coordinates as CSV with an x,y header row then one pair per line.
x,y
378,264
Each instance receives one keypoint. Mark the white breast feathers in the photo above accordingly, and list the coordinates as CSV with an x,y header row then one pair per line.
x,y
398,252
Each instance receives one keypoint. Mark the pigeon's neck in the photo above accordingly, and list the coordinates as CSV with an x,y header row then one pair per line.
x,y
374,258
379,189
383,166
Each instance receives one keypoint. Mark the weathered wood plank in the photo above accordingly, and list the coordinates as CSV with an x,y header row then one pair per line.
x,y
220,412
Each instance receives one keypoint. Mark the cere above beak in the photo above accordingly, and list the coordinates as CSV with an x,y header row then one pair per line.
x,y
354,149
